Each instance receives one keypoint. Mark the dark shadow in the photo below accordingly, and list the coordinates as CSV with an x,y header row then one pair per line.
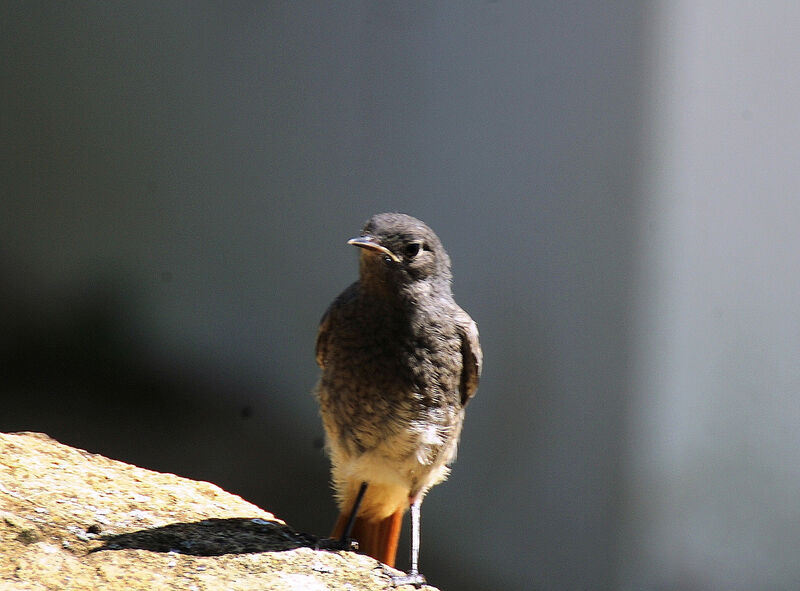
x,y
81,366
212,537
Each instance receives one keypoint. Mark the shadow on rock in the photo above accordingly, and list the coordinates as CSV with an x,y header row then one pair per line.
x,y
212,537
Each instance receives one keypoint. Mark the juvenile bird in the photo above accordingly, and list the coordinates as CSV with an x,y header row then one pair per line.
x,y
400,360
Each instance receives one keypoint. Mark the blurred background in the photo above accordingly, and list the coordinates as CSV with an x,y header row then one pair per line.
x,y
617,186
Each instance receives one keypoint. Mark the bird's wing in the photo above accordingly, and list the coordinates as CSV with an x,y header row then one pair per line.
x,y
471,355
343,300
322,338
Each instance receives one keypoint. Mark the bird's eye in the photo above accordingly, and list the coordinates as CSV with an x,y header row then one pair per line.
x,y
412,249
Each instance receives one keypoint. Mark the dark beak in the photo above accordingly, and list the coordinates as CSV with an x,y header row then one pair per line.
x,y
369,243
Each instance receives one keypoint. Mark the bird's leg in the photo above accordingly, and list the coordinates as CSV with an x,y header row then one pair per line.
x,y
415,506
352,519
343,541
414,577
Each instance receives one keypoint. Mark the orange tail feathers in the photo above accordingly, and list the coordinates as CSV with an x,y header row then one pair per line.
x,y
377,538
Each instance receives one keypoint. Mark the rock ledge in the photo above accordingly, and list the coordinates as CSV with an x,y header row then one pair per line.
x,y
74,520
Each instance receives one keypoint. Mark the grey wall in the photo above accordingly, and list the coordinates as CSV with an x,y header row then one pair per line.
x,y
613,185
713,463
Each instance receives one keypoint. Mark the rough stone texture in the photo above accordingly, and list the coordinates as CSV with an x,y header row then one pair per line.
x,y
74,520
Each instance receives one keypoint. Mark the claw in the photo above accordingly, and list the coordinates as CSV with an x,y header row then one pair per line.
x,y
346,544
412,578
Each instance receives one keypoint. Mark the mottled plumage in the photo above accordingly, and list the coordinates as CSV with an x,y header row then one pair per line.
x,y
400,360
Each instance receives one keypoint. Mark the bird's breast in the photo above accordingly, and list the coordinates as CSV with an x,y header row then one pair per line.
x,y
390,377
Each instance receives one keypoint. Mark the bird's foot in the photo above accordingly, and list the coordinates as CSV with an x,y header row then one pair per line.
x,y
346,544
412,578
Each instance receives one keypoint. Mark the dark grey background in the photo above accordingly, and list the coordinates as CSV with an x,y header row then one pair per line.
x,y
179,180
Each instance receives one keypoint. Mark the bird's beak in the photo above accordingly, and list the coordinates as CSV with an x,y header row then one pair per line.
x,y
369,243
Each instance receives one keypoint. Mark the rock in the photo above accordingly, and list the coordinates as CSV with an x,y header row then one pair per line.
x,y
74,520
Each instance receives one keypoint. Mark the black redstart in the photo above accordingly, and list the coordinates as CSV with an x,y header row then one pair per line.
x,y
400,360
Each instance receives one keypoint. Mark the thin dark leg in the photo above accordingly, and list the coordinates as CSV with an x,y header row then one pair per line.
x,y
352,519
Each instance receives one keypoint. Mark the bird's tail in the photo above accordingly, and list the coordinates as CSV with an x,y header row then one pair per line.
x,y
377,538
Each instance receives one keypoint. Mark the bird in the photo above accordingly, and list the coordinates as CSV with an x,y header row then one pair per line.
x,y
399,362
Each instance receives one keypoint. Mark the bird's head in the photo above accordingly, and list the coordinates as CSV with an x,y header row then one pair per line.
x,y
400,250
